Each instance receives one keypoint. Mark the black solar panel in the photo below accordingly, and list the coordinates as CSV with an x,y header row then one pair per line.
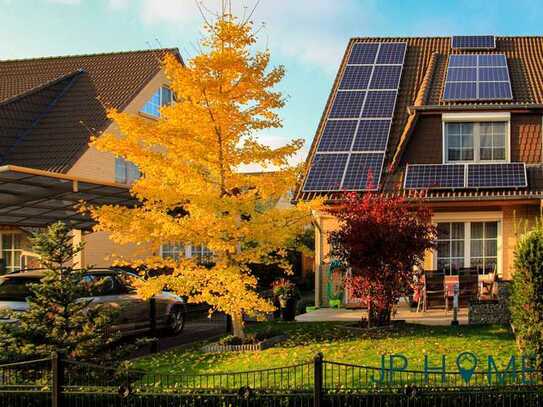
x,y
463,60
494,90
386,77
434,176
506,175
391,53
474,42
347,104
493,74
460,91
326,172
372,135
363,53
356,77
364,104
492,60
363,171
337,135
477,77
379,104
462,74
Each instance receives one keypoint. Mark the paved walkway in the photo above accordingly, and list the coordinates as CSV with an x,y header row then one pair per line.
x,y
430,317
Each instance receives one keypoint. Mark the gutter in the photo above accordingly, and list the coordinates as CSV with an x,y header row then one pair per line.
x,y
439,108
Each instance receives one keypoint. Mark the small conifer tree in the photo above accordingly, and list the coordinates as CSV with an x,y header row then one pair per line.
x,y
59,316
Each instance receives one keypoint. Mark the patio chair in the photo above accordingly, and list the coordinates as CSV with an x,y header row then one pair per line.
x,y
433,290
487,286
469,287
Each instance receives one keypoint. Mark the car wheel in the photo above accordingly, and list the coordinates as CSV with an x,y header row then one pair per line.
x,y
176,321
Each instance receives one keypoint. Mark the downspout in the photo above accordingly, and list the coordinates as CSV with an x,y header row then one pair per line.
x,y
318,257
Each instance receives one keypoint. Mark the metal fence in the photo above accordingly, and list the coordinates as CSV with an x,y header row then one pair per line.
x,y
55,382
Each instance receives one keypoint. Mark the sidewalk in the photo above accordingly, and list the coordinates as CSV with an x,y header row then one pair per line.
x,y
430,317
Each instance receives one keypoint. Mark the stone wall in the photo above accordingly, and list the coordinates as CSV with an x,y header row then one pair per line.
x,y
491,311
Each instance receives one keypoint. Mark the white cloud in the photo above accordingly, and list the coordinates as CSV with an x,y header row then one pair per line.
x,y
305,30
156,11
69,2
118,4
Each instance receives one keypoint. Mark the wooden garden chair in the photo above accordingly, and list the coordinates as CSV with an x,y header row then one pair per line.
x,y
434,289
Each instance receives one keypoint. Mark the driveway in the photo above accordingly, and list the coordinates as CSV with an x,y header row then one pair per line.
x,y
198,327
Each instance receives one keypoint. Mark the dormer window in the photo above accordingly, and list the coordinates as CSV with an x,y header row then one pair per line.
x,y
475,140
162,97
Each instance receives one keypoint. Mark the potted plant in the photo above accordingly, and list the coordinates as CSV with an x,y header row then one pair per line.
x,y
287,296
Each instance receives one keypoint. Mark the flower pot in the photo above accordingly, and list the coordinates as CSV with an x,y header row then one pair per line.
x,y
288,312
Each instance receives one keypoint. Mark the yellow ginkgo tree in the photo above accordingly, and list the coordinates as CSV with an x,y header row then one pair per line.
x,y
192,189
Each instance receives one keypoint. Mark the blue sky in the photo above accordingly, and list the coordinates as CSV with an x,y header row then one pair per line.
x,y
307,36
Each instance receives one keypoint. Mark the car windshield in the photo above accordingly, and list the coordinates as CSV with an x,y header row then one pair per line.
x,y
15,289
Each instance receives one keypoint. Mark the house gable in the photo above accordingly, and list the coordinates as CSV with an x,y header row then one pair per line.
x,y
416,134
55,136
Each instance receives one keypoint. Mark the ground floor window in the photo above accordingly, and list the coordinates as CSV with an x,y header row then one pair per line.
x,y
11,251
177,250
467,245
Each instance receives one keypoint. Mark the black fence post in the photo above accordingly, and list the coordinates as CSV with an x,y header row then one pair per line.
x,y
318,373
57,375
152,323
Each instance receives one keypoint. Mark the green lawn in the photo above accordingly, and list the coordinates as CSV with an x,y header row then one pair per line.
x,y
343,345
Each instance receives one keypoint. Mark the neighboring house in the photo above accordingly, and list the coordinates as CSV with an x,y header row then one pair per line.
x,y
49,108
459,119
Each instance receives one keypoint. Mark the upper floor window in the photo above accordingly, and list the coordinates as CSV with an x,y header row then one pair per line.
x,y
162,97
125,171
476,141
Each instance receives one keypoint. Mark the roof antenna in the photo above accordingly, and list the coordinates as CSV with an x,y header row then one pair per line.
x,y
158,42
155,52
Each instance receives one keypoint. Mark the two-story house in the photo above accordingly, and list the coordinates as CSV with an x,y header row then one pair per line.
x,y
49,109
456,118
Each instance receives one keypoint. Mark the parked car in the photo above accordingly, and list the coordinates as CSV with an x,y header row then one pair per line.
x,y
114,288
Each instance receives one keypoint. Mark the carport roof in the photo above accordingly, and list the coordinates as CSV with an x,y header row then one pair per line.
x,y
36,198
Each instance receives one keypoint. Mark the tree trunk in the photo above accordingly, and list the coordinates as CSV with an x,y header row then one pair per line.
x,y
377,316
237,326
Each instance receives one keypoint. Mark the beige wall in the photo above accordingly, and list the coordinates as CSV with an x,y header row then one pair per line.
x,y
101,166
516,220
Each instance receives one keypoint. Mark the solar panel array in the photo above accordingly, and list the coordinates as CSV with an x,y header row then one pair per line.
x,y
477,77
434,176
497,175
352,147
452,176
474,42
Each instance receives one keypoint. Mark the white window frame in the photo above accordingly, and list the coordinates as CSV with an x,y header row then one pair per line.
x,y
160,101
12,251
476,118
468,218
188,252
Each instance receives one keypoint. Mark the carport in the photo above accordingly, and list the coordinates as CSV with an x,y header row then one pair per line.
x,y
35,198
31,198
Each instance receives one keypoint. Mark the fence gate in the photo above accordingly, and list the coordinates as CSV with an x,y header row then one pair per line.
x,y
56,382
